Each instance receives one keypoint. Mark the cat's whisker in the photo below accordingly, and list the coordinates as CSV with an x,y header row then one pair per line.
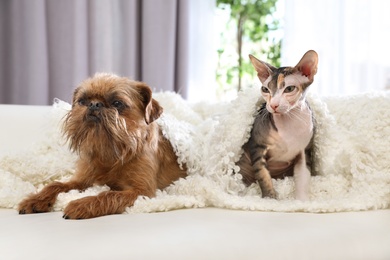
x,y
263,115
295,115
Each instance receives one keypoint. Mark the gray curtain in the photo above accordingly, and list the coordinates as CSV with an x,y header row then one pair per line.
x,y
48,46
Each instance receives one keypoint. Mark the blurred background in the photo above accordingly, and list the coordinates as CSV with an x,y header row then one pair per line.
x,y
198,48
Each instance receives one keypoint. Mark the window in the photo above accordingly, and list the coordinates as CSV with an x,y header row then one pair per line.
x,y
351,37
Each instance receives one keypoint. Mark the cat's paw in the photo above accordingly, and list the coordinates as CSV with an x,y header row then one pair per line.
x,y
270,194
302,196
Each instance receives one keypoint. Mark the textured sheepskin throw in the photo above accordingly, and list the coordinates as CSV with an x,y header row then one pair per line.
x,y
352,161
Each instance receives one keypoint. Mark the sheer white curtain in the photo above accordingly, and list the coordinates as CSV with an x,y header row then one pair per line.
x,y
47,47
352,38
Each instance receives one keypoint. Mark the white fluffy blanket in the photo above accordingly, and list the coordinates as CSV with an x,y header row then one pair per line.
x,y
352,142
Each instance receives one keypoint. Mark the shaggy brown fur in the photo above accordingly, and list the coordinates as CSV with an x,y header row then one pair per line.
x,y
111,126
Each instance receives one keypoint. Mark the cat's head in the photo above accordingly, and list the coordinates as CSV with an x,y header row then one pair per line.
x,y
284,88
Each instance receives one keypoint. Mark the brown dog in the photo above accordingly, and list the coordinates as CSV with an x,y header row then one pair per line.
x,y
111,126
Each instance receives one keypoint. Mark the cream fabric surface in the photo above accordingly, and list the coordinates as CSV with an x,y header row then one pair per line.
x,y
351,147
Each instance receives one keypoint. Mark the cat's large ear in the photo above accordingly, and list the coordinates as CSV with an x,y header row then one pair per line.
x,y
308,64
263,69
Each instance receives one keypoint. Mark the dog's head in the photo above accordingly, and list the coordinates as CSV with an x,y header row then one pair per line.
x,y
110,117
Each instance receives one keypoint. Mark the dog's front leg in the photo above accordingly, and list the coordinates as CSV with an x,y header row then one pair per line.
x,y
106,203
44,200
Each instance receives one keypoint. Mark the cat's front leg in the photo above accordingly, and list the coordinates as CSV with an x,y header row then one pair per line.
x,y
301,178
264,179
261,173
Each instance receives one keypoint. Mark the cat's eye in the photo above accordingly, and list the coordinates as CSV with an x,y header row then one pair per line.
x,y
264,90
289,89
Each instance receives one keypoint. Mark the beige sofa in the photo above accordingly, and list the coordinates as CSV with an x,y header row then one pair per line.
x,y
192,232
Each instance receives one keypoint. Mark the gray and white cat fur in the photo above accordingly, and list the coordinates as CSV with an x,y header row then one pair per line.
x,y
281,137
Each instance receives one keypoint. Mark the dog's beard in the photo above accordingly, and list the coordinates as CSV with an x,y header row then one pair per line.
x,y
105,136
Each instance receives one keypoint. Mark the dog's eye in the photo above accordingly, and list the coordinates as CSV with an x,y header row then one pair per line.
x,y
117,104
82,102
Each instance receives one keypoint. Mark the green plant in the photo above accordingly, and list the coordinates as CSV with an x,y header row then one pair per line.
x,y
253,21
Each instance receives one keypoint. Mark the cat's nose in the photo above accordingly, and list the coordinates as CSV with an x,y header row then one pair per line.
x,y
274,107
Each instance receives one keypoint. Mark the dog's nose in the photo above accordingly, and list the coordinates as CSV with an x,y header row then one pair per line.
x,y
95,105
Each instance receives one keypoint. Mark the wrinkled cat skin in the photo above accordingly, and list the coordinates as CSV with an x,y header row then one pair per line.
x,y
281,137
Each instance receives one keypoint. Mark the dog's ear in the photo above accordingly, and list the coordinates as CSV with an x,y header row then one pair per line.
x,y
74,97
153,109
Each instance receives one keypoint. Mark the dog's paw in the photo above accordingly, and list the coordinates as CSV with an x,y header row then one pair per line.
x,y
83,208
34,205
